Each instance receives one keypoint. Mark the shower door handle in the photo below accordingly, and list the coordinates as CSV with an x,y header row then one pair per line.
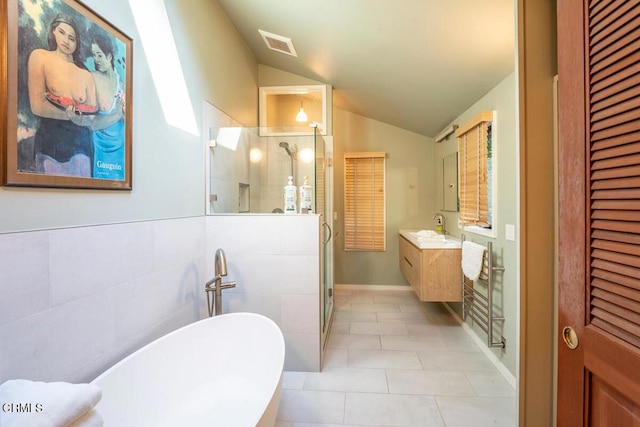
x,y
328,228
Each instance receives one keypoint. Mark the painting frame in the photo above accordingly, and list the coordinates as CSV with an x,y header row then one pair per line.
x,y
77,132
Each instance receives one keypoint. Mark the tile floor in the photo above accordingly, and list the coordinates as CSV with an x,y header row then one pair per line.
x,y
395,361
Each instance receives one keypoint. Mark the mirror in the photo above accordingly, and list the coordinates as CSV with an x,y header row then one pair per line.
x,y
450,182
279,106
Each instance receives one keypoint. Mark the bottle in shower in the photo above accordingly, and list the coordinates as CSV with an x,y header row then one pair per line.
x,y
305,196
290,191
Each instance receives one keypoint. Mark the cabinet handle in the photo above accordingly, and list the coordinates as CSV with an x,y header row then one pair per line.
x,y
408,262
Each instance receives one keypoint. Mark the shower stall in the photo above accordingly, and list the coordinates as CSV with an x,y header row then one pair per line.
x,y
247,172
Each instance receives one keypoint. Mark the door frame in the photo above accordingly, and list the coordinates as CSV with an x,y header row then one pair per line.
x,y
536,68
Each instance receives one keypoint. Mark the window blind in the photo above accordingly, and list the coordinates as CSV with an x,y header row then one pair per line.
x,y
364,201
473,175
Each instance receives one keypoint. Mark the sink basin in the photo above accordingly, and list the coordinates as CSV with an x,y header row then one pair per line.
x,y
428,237
427,240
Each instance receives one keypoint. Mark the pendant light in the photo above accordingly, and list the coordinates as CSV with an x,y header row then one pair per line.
x,y
301,116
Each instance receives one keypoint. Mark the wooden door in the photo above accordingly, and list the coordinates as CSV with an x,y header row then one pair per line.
x,y
599,212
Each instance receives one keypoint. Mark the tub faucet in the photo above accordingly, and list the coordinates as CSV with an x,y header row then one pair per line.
x,y
441,220
216,286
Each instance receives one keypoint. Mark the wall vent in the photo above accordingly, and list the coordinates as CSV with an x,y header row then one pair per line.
x,y
278,43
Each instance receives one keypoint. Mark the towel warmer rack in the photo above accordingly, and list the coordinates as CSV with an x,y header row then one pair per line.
x,y
478,306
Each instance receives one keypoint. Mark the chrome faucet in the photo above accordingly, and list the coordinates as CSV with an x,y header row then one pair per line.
x,y
439,217
216,286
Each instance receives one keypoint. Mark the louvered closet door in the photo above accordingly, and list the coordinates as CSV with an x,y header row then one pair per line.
x,y
599,229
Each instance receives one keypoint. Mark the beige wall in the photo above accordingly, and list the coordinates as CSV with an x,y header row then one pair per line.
x,y
168,175
410,198
501,99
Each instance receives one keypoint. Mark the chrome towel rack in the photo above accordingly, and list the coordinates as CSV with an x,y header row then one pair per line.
x,y
478,306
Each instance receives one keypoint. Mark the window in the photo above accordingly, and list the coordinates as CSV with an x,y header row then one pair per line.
x,y
364,201
475,173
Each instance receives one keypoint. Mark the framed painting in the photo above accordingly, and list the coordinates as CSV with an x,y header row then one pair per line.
x,y
66,97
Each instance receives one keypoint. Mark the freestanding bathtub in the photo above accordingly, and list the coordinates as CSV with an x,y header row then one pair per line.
x,y
220,371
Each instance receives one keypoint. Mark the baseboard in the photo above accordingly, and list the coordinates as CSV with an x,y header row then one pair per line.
x,y
399,288
482,345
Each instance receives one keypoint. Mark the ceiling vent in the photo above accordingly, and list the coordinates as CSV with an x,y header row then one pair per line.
x,y
278,43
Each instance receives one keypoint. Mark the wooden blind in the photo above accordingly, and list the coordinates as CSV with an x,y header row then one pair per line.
x,y
473,175
364,201
614,175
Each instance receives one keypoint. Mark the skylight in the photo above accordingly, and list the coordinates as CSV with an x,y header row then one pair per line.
x,y
160,48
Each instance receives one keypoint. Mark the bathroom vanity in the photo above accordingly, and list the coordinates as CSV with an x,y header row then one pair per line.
x,y
432,266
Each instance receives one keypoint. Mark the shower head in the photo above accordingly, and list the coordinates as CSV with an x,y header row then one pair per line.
x,y
285,145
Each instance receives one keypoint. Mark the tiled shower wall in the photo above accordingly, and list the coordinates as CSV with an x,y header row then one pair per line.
x,y
74,301
275,262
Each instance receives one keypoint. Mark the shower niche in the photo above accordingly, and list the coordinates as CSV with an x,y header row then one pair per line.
x,y
247,171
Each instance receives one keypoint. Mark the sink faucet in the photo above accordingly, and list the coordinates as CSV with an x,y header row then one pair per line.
x,y
441,220
215,285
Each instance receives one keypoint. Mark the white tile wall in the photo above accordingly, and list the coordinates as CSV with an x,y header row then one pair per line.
x,y
76,300
274,259
87,260
24,275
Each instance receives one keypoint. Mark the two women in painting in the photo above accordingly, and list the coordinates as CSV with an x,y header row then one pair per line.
x,y
81,112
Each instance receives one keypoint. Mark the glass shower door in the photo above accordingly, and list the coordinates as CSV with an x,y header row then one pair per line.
x,y
323,192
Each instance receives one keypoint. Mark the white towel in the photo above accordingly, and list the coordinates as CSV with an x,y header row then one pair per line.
x,y
27,403
90,419
472,257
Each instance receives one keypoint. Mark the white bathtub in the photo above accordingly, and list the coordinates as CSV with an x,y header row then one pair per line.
x,y
220,371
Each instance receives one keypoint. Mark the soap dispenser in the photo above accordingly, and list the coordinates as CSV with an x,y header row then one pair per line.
x,y
305,196
290,197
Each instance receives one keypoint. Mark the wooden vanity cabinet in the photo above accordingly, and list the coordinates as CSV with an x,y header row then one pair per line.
x,y
434,274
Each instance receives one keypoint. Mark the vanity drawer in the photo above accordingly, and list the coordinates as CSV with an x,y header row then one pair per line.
x,y
441,275
411,264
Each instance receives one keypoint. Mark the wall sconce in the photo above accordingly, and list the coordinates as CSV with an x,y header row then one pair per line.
x,y
301,116
307,155
444,135
255,155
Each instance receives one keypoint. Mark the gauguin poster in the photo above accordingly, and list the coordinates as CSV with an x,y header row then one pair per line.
x,y
71,93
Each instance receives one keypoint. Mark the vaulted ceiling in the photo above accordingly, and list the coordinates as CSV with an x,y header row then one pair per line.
x,y
414,64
